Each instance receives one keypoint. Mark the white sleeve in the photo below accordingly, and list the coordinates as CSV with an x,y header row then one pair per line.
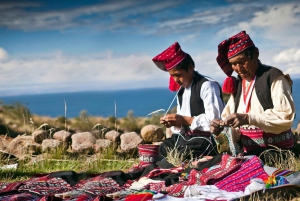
x,y
213,106
280,117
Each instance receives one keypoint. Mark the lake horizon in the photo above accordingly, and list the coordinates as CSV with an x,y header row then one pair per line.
x,y
109,103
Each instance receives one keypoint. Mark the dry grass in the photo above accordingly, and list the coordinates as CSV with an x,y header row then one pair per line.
x,y
176,158
285,159
272,197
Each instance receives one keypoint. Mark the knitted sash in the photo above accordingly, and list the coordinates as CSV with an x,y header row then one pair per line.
x,y
256,138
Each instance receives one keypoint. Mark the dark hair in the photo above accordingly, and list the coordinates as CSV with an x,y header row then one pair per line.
x,y
249,52
185,63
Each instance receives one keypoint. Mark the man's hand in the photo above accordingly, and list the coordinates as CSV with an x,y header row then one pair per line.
x,y
216,126
172,120
236,120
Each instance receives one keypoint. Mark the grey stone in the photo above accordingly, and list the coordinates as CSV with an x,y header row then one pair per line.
x,y
22,146
130,141
39,135
101,144
113,136
82,142
152,133
64,136
51,144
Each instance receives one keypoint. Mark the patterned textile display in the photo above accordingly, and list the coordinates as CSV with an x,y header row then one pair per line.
x,y
156,172
282,172
148,154
98,185
5,186
228,165
20,197
44,186
231,174
239,179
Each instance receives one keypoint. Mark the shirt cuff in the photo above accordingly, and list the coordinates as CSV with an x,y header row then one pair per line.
x,y
175,130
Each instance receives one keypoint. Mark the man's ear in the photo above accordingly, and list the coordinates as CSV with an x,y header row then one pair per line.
x,y
191,67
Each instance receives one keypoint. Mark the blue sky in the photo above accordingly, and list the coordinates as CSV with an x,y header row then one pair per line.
x,y
64,46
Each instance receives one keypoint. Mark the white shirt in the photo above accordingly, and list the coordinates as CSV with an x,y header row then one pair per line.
x,y
274,120
213,106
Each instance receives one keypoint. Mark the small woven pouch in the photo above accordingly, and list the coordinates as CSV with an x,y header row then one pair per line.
x,y
227,141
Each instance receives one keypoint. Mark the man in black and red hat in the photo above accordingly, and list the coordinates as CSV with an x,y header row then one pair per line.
x,y
199,100
261,106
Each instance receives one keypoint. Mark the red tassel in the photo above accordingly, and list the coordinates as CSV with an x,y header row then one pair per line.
x,y
229,85
173,86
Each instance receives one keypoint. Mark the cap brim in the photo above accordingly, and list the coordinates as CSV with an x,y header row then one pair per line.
x,y
160,65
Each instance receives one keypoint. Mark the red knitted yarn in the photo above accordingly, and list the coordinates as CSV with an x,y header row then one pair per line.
x,y
229,85
173,86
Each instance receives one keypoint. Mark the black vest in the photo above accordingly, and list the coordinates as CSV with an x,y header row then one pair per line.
x,y
265,75
196,103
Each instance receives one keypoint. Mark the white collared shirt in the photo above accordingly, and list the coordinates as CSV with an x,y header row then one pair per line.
x,y
213,105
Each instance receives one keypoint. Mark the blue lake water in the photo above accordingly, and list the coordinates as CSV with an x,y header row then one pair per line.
x,y
102,103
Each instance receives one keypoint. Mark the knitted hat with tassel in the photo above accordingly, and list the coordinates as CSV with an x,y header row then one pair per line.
x,y
228,49
168,60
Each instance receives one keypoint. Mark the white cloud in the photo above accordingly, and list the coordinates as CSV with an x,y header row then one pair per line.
x,y
103,16
278,24
275,31
289,61
3,54
61,72
289,55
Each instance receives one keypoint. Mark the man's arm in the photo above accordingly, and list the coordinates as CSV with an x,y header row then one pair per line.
x,y
280,117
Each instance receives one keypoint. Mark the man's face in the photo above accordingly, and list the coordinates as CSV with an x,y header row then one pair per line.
x,y
182,77
244,66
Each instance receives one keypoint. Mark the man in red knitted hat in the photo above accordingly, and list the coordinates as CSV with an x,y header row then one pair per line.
x,y
261,106
199,100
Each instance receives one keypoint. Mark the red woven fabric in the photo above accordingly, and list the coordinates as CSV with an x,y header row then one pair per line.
x,y
238,180
140,197
256,138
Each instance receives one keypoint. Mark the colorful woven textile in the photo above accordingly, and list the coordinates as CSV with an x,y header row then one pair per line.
x,y
156,172
256,138
98,185
284,173
239,179
44,186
